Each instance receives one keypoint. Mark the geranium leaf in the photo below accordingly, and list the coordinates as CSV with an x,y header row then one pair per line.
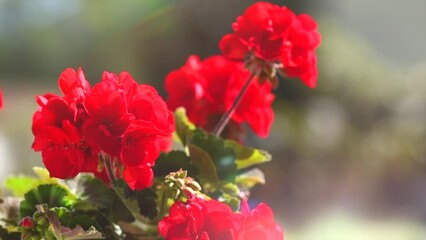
x,y
202,160
44,176
51,194
94,191
147,202
127,202
247,157
222,156
172,162
250,178
19,185
142,203
184,127
65,233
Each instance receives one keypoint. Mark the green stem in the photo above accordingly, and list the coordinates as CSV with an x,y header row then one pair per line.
x,y
163,204
108,167
228,114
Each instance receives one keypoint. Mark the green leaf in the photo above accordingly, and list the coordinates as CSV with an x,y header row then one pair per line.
x,y
19,185
147,202
222,156
184,127
93,193
247,157
65,233
44,176
172,162
202,160
141,203
127,209
250,178
92,190
50,194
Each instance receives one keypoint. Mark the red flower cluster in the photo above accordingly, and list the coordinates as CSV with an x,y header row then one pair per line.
x,y
117,117
207,89
199,219
275,34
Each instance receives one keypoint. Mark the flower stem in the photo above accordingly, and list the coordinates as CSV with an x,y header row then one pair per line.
x,y
163,204
228,114
108,167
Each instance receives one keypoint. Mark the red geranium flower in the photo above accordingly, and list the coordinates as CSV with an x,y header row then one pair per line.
x,y
207,89
64,152
198,219
201,219
274,34
108,119
258,223
128,121
27,222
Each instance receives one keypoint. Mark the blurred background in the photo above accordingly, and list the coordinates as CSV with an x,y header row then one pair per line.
x,y
349,156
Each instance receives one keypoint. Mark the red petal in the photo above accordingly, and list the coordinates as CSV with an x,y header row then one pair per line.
x,y
232,47
138,178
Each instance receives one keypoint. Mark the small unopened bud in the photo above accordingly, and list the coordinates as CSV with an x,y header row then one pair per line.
x,y
180,183
182,174
193,185
40,219
174,193
189,192
27,222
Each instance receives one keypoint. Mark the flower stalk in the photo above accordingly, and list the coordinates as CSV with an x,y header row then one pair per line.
x,y
228,114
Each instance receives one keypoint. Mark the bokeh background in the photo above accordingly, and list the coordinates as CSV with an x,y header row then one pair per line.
x,y
349,156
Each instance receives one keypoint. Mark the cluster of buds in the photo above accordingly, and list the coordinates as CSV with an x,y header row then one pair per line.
x,y
264,70
35,227
181,186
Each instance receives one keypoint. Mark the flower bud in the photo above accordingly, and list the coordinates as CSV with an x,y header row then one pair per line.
x,y
193,185
182,174
27,222
188,191
41,219
180,183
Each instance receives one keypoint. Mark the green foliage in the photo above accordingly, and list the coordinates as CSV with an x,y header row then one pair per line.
x,y
250,179
172,162
19,185
50,194
219,163
202,160
221,156
93,191
141,202
93,194
214,157
247,157
184,127
61,232
147,202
